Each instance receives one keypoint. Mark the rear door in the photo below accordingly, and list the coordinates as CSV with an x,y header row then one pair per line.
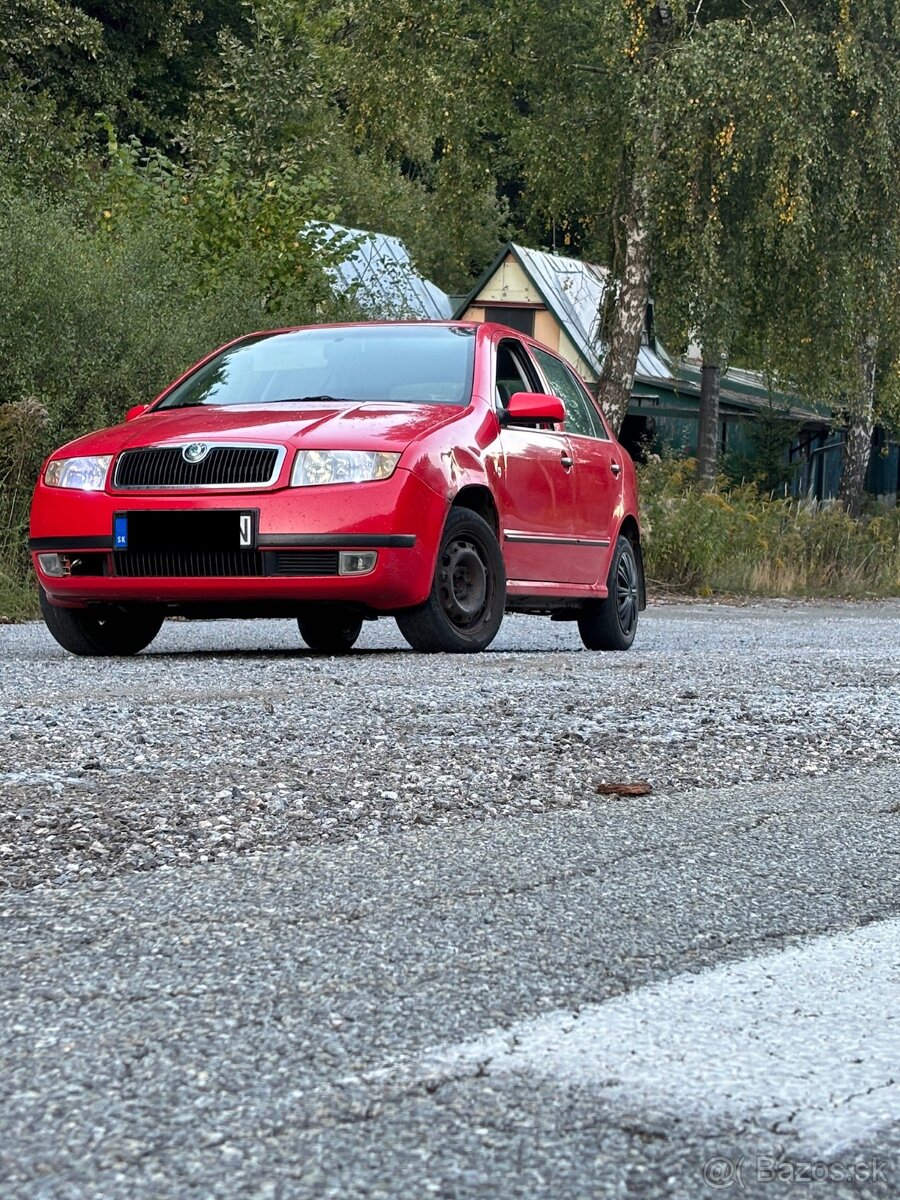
x,y
597,472
535,485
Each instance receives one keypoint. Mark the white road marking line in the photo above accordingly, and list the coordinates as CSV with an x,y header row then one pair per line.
x,y
805,1039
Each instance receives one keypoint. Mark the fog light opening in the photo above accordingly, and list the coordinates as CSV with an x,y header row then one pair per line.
x,y
357,562
53,564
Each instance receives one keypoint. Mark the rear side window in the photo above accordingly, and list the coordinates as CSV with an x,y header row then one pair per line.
x,y
580,416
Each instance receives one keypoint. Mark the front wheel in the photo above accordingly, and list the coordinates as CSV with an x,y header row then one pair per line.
x,y
468,594
104,630
611,624
330,630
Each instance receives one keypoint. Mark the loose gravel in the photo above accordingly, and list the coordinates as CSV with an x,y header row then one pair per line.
x,y
227,738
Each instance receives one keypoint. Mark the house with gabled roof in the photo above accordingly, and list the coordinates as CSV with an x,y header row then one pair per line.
x,y
558,300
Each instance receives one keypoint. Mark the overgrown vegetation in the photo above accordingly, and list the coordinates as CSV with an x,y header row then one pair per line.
x,y
96,320
740,541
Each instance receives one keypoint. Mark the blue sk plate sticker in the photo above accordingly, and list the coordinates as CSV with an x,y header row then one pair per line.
x,y
120,532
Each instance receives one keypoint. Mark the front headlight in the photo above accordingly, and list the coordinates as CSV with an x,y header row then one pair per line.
x,y
313,467
85,474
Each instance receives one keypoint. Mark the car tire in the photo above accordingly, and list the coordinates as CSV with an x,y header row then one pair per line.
x,y
107,630
331,630
465,607
611,624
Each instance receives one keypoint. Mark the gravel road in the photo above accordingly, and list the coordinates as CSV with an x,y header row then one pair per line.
x,y
253,896
226,739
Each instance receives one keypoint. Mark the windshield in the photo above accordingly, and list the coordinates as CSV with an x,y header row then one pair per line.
x,y
413,364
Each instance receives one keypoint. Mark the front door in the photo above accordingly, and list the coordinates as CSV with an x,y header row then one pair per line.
x,y
535,484
597,471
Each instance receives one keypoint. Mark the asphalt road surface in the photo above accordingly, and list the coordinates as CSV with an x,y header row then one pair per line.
x,y
282,926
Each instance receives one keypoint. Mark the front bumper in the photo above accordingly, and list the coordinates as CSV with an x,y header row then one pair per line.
x,y
401,518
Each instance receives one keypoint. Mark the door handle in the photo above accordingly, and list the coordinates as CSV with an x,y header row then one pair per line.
x,y
567,461
615,468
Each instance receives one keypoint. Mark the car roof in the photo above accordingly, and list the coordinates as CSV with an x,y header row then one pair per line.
x,y
485,329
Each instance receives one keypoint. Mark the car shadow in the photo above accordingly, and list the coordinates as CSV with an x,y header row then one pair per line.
x,y
364,652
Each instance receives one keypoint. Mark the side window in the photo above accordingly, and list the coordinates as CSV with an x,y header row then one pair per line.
x,y
513,373
580,417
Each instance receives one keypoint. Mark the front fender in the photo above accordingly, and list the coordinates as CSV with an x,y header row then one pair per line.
x,y
470,462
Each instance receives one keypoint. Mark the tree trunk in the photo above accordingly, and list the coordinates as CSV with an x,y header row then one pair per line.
x,y
620,360
619,364
708,426
858,443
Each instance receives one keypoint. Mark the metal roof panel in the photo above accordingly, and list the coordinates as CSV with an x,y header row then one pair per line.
x,y
383,277
573,291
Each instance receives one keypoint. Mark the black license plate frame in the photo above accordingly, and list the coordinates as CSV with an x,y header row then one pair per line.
x,y
186,529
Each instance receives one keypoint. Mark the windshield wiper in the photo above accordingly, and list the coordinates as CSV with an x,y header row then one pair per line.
x,y
323,399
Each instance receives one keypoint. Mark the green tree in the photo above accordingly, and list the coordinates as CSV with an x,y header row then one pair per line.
x,y
312,92
831,222
268,227
141,63
777,200
701,202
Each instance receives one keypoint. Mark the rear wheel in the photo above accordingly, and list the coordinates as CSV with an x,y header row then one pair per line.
x,y
107,630
332,630
611,624
468,594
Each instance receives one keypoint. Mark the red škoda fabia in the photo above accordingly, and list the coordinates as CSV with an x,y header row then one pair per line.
x,y
437,473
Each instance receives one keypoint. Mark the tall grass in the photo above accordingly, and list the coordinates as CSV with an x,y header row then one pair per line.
x,y
735,540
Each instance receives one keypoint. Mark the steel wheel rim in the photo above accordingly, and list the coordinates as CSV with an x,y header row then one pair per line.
x,y
464,583
626,593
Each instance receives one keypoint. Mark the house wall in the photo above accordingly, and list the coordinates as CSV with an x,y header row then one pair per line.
x,y
676,419
883,477
510,285
819,473
546,329
570,354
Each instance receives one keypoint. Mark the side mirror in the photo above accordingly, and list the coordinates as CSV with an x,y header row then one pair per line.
x,y
535,408
137,410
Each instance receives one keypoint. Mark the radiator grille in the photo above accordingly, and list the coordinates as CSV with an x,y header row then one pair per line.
x,y
224,466
306,562
244,564
191,564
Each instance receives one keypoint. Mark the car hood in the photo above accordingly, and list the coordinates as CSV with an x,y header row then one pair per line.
x,y
373,426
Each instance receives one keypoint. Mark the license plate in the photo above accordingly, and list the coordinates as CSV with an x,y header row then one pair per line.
x,y
216,529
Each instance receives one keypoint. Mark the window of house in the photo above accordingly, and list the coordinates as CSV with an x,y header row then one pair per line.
x,y
516,318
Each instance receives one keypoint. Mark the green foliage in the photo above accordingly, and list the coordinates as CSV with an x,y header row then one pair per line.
x,y
813,109
735,540
23,432
95,322
268,229
769,434
305,98
142,63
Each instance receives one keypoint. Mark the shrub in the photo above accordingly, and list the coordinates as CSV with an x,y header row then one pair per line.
x,y
736,540
92,324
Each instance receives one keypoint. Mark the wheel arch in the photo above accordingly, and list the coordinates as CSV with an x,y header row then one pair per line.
x,y
631,530
479,499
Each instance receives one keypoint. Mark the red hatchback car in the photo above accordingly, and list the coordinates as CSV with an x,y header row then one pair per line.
x,y
437,473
